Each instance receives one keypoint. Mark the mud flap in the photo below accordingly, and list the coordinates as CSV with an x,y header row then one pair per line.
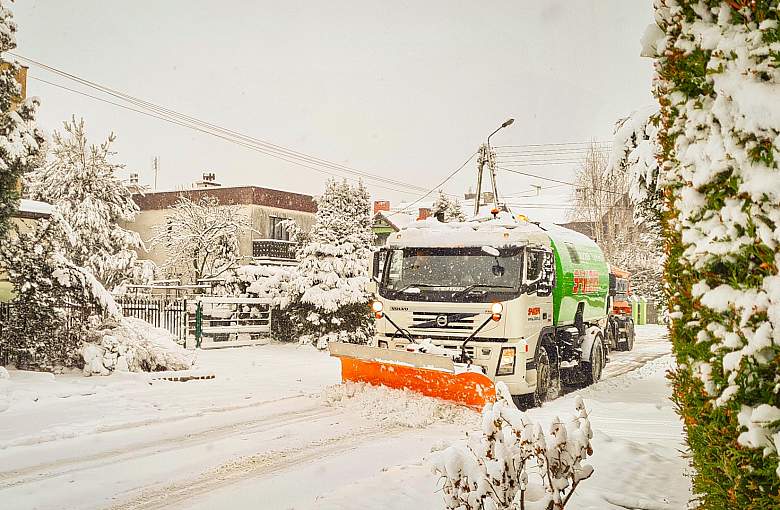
x,y
428,374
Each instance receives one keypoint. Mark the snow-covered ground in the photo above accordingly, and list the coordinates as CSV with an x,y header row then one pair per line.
x,y
272,430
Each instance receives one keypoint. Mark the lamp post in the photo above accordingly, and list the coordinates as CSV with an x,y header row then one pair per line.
x,y
486,156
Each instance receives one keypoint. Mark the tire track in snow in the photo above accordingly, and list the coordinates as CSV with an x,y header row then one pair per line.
x,y
132,451
53,437
252,466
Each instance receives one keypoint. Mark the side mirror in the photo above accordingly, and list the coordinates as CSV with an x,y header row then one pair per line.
x,y
378,264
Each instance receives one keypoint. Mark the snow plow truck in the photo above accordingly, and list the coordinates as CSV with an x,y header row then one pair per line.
x,y
461,306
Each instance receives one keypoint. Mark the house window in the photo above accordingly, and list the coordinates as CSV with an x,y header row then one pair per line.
x,y
278,230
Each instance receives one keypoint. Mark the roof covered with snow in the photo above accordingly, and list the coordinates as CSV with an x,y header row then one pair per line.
x,y
233,195
33,209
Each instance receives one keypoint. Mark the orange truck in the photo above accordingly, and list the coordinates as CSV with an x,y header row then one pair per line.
x,y
620,324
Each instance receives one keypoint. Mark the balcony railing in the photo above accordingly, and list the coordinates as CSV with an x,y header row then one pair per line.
x,y
274,250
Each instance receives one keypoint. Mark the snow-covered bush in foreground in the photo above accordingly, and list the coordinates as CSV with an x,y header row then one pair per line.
x,y
512,464
134,345
718,86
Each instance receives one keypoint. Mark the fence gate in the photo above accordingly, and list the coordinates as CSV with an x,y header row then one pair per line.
x,y
229,322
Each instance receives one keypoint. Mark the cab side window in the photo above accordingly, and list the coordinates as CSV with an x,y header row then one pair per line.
x,y
539,272
533,269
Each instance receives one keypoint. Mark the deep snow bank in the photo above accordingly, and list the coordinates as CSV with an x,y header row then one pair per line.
x,y
397,407
134,346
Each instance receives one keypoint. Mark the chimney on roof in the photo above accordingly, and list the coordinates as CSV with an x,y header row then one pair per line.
x,y
381,205
425,213
209,180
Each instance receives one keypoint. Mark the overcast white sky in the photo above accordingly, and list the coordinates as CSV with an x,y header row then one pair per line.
x,y
403,89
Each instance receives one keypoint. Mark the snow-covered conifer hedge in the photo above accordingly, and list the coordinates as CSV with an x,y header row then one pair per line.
x,y
718,85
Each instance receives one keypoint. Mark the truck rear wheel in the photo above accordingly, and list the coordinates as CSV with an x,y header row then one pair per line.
x,y
544,383
626,343
592,369
630,335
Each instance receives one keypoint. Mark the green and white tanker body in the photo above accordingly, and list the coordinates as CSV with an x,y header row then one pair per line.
x,y
442,281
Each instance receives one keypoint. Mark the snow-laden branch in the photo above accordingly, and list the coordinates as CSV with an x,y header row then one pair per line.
x,y
512,464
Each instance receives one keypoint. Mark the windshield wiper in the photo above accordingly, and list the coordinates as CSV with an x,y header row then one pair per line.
x,y
479,285
411,285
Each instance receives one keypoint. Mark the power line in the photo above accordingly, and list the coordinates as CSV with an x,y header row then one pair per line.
x,y
184,120
559,181
517,163
442,183
172,121
564,144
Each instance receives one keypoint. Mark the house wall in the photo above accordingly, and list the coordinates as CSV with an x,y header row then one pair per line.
x,y
259,216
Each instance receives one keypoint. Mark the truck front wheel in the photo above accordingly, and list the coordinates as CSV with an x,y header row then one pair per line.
x,y
544,383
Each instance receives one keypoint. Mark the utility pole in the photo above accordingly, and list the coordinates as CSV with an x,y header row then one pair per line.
x,y
156,166
486,155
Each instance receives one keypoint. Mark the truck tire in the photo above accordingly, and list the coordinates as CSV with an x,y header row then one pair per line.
x,y
592,369
630,334
543,383
626,343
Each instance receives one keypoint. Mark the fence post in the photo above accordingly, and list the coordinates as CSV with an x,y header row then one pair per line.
x,y
198,323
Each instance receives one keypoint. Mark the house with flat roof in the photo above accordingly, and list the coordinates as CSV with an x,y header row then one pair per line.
x,y
268,241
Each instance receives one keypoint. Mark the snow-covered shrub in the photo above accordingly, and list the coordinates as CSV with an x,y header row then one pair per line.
x,y
36,330
134,345
272,282
81,181
20,141
55,300
329,296
718,86
512,464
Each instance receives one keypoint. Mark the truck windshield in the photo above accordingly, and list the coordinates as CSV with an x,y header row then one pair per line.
x,y
451,274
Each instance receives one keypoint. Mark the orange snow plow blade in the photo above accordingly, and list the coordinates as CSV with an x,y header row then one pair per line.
x,y
428,374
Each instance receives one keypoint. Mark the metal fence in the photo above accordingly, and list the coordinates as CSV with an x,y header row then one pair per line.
x,y
205,321
165,312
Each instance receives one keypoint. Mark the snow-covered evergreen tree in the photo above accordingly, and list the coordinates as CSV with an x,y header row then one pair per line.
x,y
330,297
635,152
447,209
19,139
81,181
201,238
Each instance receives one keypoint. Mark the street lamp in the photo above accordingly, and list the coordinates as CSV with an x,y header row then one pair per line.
x,y
506,123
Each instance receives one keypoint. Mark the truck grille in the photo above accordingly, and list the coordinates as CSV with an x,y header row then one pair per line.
x,y
444,321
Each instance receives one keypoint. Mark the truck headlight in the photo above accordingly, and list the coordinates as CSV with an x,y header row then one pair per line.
x,y
378,308
506,363
497,309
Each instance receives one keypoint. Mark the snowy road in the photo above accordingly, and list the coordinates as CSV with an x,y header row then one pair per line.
x,y
264,434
